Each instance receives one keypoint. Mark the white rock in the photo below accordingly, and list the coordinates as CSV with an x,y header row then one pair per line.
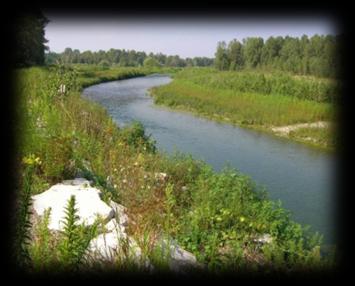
x,y
265,238
161,176
77,182
180,260
120,213
184,188
106,245
88,203
114,245
113,225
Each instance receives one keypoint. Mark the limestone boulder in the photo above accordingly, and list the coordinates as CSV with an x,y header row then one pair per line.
x,y
116,244
180,260
120,213
88,203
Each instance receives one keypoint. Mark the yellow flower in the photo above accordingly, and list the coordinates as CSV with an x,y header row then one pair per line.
x,y
31,160
242,219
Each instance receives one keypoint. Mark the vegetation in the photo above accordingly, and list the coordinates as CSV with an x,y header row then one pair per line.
x,y
220,217
30,40
124,58
318,55
254,99
65,250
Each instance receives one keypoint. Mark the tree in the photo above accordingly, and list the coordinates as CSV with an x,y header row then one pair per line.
x,y
150,62
104,64
271,52
67,56
235,54
30,40
252,51
291,55
221,60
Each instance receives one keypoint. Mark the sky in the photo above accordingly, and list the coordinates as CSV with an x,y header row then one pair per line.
x,y
186,37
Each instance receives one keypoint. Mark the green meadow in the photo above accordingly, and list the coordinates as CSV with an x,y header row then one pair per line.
x,y
255,99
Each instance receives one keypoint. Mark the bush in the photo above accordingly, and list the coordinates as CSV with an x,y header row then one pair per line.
x,y
134,135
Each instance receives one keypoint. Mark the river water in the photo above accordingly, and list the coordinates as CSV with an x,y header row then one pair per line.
x,y
303,178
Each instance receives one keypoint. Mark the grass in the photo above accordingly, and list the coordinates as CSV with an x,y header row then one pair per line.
x,y
321,136
254,99
216,216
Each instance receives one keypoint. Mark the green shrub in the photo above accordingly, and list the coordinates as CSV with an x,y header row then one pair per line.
x,y
134,135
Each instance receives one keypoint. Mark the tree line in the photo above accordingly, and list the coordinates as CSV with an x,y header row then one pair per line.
x,y
122,57
317,55
30,41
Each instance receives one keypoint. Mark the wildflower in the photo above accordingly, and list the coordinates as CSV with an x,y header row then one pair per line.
x,y
31,160
124,181
38,161
242,219
115,186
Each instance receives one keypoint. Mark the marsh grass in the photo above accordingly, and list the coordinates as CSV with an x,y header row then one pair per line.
x,y
253,99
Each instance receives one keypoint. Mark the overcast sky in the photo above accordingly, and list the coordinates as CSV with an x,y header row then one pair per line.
x,y
179,36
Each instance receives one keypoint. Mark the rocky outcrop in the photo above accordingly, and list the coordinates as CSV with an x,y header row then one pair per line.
x,y
88,202
112,242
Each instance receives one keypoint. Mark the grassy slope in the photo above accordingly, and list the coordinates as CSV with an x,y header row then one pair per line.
x,y
216,216
254,99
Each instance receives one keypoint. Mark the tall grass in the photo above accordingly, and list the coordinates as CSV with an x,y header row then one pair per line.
x,y
241,108
302,87
253,99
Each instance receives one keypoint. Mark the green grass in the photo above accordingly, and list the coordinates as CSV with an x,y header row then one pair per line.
x,y
217,216
324,137
252,99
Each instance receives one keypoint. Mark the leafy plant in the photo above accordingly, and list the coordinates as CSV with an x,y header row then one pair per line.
x,y
75,238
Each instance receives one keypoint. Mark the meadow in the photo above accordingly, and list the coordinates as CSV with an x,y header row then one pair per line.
x,y
216,216
255,99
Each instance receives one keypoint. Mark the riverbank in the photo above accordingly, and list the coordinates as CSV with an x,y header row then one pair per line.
x,y
222,218
256,100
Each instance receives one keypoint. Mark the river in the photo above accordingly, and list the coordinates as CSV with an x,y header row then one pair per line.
x,y
303,178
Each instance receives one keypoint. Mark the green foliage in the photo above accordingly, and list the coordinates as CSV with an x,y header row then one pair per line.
x,y
150,62
124,58
254,99
326,137
235,54
216,216
318,55
222,61
56,252
41,248
226,217
252,51
104,64
23,223
134,135
29,39
75,238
